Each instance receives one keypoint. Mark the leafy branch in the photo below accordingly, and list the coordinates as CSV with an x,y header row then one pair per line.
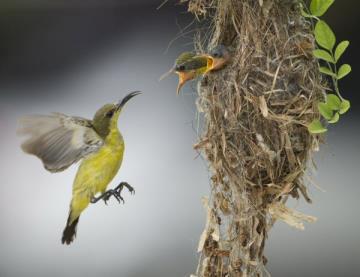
x,y
334,105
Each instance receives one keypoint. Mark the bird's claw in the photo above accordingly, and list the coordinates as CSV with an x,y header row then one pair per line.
x,y
116,192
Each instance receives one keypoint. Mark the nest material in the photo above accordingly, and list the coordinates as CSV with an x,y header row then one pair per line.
x,y
255,138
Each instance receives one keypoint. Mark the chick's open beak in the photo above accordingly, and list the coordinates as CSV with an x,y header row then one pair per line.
x,y
184,77
220,62
220,57
127,98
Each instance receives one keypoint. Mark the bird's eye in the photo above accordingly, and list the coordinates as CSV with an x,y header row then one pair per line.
x,y
110,113
216,55
181,67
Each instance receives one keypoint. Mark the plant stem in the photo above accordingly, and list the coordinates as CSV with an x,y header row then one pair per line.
x,y
335,79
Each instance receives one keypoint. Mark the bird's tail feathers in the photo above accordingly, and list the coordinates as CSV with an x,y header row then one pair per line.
x,y
69,232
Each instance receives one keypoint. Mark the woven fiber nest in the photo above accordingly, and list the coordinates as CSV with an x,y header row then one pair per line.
x,y
254,114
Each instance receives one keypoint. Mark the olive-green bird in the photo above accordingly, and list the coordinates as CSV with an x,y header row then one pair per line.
x,y
189,65
188,68
60,141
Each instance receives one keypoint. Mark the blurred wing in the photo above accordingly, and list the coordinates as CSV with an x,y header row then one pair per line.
x,y
58,140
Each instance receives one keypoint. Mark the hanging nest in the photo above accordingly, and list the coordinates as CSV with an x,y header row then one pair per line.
x,y
255,114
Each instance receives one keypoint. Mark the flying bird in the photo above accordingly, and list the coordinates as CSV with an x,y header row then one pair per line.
x,y
60,141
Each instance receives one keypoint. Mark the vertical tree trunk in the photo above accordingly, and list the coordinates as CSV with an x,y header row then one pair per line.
x,y
255,113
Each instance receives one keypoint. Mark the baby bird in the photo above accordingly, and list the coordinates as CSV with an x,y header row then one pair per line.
x,y
189,65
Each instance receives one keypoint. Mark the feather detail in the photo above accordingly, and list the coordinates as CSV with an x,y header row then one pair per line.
x,y
58,140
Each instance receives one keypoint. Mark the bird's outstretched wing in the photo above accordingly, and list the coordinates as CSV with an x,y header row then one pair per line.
x,y
58,140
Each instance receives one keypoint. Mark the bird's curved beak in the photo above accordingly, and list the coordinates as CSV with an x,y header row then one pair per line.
x,y
127,98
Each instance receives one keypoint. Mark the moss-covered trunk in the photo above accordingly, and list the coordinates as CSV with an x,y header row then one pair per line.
x,y
254,135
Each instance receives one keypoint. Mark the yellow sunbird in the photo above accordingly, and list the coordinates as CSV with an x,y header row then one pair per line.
x,y
189,65
60,140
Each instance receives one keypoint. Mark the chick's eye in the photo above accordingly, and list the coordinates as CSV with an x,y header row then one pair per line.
x,y
181,67
109,113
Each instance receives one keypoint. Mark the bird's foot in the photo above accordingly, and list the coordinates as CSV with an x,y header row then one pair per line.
x,y
106,196
116,192
120,187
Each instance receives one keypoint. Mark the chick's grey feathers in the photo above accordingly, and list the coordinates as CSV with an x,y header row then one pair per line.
x,y
58,140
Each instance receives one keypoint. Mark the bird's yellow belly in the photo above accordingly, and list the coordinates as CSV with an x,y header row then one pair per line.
x,y
97,170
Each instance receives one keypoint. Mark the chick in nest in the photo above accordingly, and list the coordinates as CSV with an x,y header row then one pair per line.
x,y
190,65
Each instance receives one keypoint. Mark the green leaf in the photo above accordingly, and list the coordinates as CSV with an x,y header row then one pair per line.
x,y
324,36
335,118
325,111
340,49
333,102
319,7
323,55
344,106
327,71
316,127
305,14
344,70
